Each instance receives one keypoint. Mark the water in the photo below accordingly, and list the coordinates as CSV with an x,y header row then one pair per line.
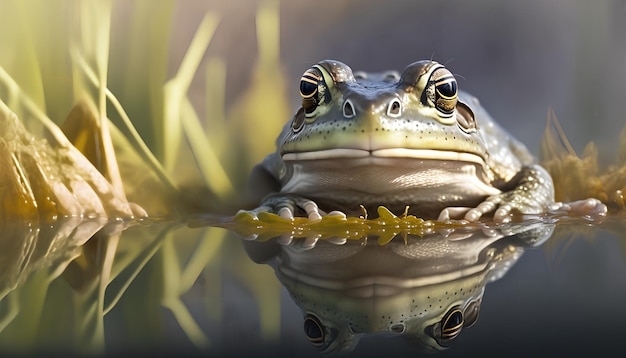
x,y
165,287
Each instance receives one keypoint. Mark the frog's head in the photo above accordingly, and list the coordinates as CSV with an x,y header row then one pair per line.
x,y
416,114
424,316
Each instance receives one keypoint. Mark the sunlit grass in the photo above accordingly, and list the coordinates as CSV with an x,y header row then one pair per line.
x,y
56,82
180,119
179,135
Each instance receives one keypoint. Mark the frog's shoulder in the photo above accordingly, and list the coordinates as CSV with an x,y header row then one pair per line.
x,y
264,178
505,151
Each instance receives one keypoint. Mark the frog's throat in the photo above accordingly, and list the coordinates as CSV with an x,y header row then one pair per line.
x,y
424,154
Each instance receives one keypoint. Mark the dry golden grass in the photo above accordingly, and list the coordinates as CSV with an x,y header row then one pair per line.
x,y
579,177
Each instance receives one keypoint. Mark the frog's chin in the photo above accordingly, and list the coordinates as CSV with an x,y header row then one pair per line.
x,y
421,154
427,185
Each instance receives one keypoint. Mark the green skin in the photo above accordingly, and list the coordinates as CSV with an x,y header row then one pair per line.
x,y
402,302
405,288
398,140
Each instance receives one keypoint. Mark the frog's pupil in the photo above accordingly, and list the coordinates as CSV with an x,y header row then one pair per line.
x,y
313,330
308,87
452,324
446,87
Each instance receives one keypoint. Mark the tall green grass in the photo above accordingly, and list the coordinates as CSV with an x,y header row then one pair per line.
x,y
56,72
62,57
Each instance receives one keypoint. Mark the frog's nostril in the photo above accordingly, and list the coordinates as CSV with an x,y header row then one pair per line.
x,y
397,328
395,108
348,109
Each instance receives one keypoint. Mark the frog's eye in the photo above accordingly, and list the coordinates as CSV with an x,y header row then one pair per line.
x,y
314,330
451,324
446,330
313,90
445,91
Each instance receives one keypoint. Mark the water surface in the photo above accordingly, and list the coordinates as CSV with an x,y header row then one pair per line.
x,y
165,287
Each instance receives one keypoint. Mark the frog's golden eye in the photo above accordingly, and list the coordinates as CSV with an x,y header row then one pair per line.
x,y
446,330
313,90
314,330
309,83
451,324
445,90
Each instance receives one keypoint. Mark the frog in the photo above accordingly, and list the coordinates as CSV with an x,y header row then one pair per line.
x,y
412,142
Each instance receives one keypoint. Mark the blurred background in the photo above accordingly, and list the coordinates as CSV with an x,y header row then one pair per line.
x,y
518,58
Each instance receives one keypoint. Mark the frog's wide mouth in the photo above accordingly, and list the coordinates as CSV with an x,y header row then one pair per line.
x,y
423,154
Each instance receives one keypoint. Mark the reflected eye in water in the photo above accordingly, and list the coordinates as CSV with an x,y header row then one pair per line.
x,y
450,326
314,330
446,330
452,323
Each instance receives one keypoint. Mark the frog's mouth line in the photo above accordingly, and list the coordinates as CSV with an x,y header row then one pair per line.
x,y
424,154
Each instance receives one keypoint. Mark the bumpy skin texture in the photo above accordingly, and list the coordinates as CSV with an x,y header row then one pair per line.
x,y
410,139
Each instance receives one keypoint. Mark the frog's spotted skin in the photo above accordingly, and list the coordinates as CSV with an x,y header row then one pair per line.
x,y
395,140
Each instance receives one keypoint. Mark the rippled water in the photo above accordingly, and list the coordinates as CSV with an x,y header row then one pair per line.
x,y
165,287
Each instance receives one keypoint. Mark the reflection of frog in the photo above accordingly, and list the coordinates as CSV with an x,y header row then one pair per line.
x,y
396,140
425,289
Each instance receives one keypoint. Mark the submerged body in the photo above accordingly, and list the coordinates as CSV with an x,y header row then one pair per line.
x,y
397,140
